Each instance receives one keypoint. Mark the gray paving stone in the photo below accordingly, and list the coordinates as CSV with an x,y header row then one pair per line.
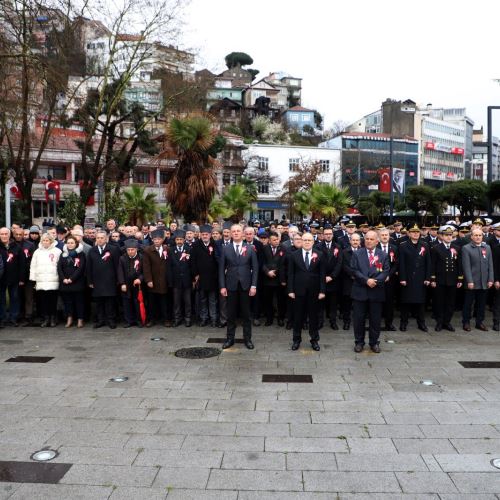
x,y
243,416
174,494
473,483
408,418
61,492
188,477
464,463
199,428
224,443
311,461
124,493
97,439
179,458
369,482
231,404
460,431
333,417
394,431
424,446
155,441
288,495
174,404
475,445
327,430
425,482
110,475
285,444
255,480
383,462
295,417
371,445
254,461
96,456
266,430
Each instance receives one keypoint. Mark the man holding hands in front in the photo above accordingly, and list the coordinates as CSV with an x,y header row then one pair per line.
x,y
370,266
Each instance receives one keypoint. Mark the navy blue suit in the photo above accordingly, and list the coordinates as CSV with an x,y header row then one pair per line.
x,y
366,299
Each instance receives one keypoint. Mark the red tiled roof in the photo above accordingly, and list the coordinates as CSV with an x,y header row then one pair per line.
x,y
298,108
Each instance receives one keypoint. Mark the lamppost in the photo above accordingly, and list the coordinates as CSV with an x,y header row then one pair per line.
x,y
490,152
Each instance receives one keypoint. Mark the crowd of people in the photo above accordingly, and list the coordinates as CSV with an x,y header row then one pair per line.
x,y
301,276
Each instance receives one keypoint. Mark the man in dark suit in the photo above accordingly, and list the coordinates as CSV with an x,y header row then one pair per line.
x,y
345,241
205,272
446,277
238,274
347,277
180,271
333,269
251,240
391,283
370,267
306,286
296,244
219,244
494,239
102,277
273,279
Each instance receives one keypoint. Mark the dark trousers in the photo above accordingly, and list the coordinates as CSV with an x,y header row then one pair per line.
x,y
105,310
26,298
13,291
238,301
48,303
255,305
417,309
346,308
222,309
269,293
208,305
182,298
157,306
496,306
74,304
388,305
361,309
444,303
306,306
130,304
330,304
479,298
290,308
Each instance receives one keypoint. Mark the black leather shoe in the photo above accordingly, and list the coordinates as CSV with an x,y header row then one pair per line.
x,y
402,327
346,325
423,327
281,322
249,344
177,323
227,344
126,325
315,346
390,328
268,323
334,326
295,346
256,322
99,324
449,327
288,326
112,326
222,325
375,348
214,324
496,327
187,323
482,327
203,323
358,348
467,327
438,327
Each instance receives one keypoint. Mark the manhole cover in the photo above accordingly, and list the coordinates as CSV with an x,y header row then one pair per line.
x,y
197,352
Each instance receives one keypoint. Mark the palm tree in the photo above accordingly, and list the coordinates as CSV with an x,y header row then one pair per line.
x,y
329,201
237,201
193,184
217,210
302,202
140,207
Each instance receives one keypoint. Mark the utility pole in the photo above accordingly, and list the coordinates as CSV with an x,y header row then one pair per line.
x,y
391,180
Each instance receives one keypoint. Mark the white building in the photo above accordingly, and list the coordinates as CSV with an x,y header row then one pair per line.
x,y
281,161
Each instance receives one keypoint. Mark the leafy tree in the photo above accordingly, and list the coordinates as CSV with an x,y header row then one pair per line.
x,y
424,198
318,119
467,195
140,207
259,126
308,129
250,185
192,185
254,72
218,210
238,59
115,208
493,192
302,202
236,200
73,211
329,201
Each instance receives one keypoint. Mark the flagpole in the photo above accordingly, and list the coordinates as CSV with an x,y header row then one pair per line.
x,y
391,180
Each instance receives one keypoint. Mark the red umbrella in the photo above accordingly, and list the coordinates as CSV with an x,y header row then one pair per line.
x,y
142,307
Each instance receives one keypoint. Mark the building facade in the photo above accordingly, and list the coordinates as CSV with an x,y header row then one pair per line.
x,y
299,117
281,162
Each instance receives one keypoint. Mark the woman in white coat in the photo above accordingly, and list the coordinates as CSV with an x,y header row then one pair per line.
x,y
43,272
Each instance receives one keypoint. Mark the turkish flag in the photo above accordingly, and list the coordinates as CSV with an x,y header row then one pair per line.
x,y
52,191
384,183
16,192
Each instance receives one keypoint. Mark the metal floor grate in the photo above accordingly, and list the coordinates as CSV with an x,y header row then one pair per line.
x,y
287,379
32,472
480,364
29,359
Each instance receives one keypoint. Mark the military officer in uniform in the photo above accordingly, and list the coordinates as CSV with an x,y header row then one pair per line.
x,y
446,278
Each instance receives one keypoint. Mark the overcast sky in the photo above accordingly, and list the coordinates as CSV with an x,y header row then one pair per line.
x,y
353,55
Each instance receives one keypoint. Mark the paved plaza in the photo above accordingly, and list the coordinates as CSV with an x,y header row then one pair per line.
x,y
210,429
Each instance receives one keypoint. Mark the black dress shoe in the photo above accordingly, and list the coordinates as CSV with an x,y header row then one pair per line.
x,y
334,326
390,328
438,327
223,324
99,324
249,344
268,323
467,327
496,327
203,323
112,326
375,348
256,322
187,323
227,344
482,327
346,325
288,326
358,348
295,346
402,327
422,327
450,327
214,324
149,324
315,346
177,323
281,322
126,325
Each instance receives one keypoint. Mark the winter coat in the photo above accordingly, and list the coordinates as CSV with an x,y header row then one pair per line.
x,y
14,263
102,271
72,268
43,269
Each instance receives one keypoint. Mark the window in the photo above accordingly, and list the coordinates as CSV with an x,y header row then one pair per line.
x,y
293,164
305,118
294,117
57,173
227,154
263,187
263,163
325,165
141,177
164,177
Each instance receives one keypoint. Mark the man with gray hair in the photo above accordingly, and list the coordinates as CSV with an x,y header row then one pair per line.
x,y
477,265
